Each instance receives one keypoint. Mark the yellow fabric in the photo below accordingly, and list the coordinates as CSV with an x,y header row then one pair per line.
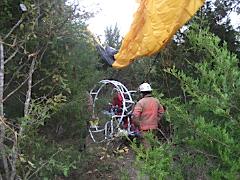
x,y
154,24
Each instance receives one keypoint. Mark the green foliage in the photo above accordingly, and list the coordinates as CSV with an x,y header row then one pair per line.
x,y
9,11
112,36
70,121
53,34
206,122
205,80
217,17
44,159
41,112
205,141
156,162
41,157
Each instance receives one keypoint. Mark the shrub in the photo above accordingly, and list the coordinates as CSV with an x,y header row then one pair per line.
x,y
206,122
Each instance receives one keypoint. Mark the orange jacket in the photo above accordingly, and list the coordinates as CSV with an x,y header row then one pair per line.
x,y
148,112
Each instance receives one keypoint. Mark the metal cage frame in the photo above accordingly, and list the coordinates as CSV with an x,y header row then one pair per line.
x,y
112,127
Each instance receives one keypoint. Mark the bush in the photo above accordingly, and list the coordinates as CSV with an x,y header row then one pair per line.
x,y
156,162
206,123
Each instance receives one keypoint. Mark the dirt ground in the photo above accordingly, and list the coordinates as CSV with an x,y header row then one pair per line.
x,y
110,160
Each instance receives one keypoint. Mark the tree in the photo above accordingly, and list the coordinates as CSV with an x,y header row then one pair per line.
x,y
112,36
205,140
33,49
217,16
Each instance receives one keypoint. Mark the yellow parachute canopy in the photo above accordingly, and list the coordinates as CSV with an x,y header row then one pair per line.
x,y
154,24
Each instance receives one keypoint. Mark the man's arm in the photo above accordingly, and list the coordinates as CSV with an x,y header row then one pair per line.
x,y
137,111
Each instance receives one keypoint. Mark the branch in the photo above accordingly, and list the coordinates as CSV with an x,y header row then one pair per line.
x,y
13,28
45,97
202,134
151,65
12,56
206,154
2,42
184,95
15,52
14,74
44,164
164,135
15,90
44,50
58,26
6,125
42,80
35,54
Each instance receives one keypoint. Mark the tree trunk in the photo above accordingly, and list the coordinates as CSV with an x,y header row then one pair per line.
x,y
29,91
1,78
2,149
2,125
14,158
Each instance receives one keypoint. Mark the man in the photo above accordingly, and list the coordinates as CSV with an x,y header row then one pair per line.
x,y
147,112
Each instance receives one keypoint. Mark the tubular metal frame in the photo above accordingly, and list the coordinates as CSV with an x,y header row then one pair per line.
x,y
113,125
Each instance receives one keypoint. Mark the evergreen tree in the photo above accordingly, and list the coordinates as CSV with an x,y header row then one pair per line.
x,y
112,36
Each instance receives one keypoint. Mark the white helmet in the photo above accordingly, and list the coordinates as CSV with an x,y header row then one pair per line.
x,y
145,87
